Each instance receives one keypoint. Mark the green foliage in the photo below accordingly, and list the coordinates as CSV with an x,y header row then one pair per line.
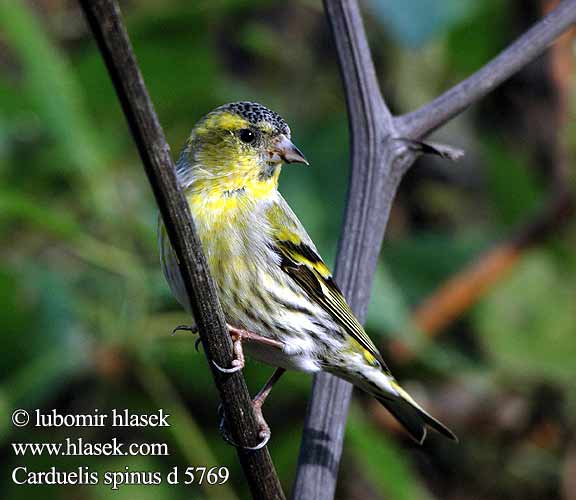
x,y
467,53
51,90
409,260
527,323
375,453
506,169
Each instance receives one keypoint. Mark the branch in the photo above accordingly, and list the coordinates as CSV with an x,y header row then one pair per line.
x,y
428,118
461,291
106,23
379,160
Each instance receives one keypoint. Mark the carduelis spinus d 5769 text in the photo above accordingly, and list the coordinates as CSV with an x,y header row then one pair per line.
x,y
279,298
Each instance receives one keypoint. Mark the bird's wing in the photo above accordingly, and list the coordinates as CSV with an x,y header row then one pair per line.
x,y
299,259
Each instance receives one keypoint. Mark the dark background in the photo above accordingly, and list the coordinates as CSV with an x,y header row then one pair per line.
x,y
85,314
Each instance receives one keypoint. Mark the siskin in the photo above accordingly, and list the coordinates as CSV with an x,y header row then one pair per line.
x,y
278,296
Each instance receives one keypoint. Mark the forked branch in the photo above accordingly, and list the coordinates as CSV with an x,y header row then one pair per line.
x,y
377,167
530,45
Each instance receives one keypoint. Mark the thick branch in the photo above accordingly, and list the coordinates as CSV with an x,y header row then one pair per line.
x,y
377,165
105,20
378,162
530,45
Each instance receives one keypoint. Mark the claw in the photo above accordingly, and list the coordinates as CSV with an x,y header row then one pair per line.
x,y
238,361
237,365
222,428
238,336
264,433
257,403
192,329
184,328
197,344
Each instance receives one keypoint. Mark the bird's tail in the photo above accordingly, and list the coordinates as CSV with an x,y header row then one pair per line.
x,y
412,417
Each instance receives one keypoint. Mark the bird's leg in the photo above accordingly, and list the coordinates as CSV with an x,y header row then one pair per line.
x,y
238,336
264,430
263,393
257,403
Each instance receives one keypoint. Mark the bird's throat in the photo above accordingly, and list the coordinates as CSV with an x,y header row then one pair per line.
x,y
259,184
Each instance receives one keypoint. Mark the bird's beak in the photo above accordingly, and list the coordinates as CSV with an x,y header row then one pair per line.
x,y
285,151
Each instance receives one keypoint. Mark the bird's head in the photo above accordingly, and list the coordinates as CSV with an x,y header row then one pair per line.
x,y
237,145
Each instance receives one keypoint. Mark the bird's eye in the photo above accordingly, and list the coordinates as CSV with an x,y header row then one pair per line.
x,y
247,135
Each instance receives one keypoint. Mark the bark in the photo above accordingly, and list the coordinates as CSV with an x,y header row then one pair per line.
x,y
379,161
107,26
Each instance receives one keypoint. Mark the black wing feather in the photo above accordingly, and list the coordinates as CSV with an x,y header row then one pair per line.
x,y
306,268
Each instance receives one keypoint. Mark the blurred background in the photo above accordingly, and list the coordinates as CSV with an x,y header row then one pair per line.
x,y
471,301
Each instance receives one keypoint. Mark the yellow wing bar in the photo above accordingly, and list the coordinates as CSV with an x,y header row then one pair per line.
x,y
306,267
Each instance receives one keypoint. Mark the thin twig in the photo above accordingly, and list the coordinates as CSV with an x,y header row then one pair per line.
x,y
530,45
461,291
106,23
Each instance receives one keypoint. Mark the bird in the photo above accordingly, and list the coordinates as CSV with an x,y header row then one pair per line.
x,y
280,300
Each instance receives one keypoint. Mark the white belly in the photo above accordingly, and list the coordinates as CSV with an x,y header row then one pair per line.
x,y
283,359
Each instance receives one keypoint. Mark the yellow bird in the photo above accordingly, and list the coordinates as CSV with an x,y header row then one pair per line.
x,y
279,298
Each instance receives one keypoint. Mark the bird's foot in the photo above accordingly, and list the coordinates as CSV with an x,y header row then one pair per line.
x,y
238,362
238,336
263,428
